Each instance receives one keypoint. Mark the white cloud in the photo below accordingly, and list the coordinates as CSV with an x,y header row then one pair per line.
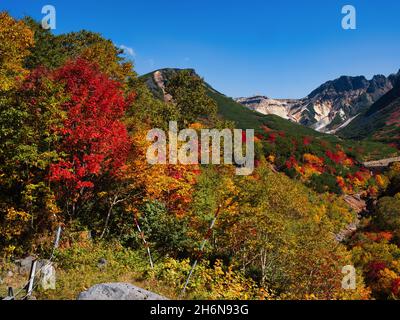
x,y
127,50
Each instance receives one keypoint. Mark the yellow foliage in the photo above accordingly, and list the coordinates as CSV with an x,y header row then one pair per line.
x,y
271,158
14,223
170,184
386,278
15,40
382,181
196,126
312,159
104,55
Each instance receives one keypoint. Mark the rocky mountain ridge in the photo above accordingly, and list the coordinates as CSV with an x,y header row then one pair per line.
x,y
329,107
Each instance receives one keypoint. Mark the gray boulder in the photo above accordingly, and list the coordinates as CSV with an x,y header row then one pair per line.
x,y
24,265
118,291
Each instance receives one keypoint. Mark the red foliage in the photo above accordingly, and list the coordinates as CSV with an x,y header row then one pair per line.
x,y
379,236
396,286
94,138
272,138
266,129
341,183
292,162
259,136
337,157
307,141
394,145
374,268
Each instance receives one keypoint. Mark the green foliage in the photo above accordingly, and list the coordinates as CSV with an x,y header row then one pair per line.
x,y
77,268
278,231
146,109
165,232
29,116
190,97
324,183
53,51
47,51
388,214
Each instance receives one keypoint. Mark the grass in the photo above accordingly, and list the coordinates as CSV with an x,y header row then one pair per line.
x,y
77,269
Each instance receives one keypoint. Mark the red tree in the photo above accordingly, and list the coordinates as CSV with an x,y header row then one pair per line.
x,y
95,140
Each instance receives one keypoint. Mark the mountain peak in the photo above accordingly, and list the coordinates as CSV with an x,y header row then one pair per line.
x,y
341,84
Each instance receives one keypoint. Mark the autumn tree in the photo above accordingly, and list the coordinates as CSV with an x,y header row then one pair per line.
x,y
15,40
190,96
47,50
30,116
146,109
387,214
94,139
282,234
52,51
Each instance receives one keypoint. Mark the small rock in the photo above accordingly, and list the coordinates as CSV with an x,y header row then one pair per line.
x,y
118,291
102,263
10,274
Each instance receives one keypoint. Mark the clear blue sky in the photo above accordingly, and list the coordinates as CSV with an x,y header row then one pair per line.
x,y
277,48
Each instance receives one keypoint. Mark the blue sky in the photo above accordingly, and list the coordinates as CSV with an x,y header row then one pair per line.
x,y
280,49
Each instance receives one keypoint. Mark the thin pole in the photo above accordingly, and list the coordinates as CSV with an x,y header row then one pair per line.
x,y
203,244
31,278
146,245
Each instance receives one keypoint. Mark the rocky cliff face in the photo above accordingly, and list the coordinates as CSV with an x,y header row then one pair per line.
x,y
380,122
265,105
329,107
157,80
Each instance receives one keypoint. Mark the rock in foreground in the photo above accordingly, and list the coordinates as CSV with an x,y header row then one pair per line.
x,y
118,291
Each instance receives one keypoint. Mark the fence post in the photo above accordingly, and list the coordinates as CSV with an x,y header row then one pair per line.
x,y
10,294
31,279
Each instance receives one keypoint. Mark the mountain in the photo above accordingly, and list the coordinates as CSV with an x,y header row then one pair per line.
x,y
227,107
329,107
245,117
380,122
